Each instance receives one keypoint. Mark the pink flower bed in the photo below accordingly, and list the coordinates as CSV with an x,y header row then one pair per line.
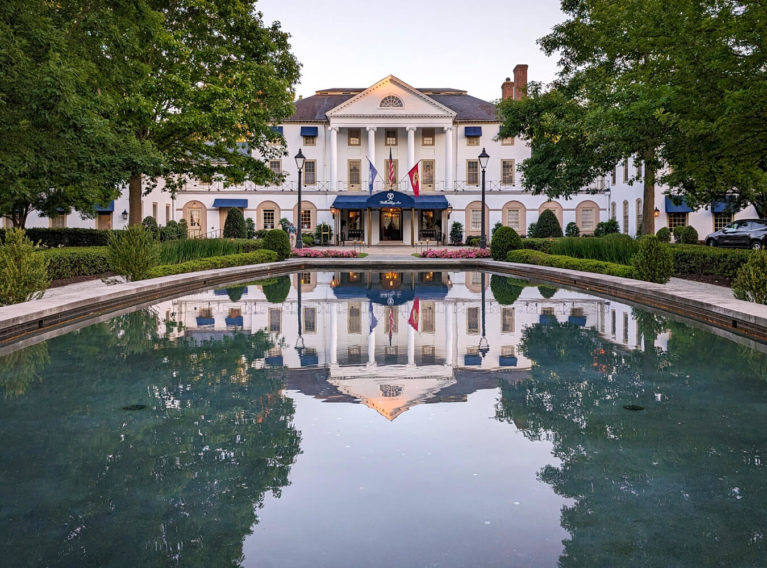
x,y
457,253
323,253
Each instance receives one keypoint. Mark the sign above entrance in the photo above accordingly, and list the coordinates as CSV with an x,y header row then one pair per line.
x,y
384,199
390,199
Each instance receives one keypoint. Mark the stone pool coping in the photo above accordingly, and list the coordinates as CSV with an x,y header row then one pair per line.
x,y
81,305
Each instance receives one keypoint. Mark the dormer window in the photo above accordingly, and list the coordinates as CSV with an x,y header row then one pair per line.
x,y
391,102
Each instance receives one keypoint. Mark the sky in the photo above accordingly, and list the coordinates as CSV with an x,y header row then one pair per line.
x,y
461,44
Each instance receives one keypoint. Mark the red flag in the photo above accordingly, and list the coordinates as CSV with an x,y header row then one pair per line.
x,y
415,180
415,313
392,181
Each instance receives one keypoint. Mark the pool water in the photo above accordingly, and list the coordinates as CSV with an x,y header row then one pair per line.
x,y
518,425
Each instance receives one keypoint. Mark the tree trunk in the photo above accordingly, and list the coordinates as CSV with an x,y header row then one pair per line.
x,y
134,200
648,198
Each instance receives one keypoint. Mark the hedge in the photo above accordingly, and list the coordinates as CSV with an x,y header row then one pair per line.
x,y
543,245
53,238
558,261
697,259
255,257
75,261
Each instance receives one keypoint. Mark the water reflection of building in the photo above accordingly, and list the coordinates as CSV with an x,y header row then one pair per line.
x,y
355,325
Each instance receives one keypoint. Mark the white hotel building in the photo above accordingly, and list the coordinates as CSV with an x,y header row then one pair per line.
x,y
442,129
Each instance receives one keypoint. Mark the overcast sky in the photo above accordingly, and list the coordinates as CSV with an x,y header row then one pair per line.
x,y
427,43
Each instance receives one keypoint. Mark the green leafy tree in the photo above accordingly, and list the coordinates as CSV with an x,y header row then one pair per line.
x,y
547,226
234,226
23,272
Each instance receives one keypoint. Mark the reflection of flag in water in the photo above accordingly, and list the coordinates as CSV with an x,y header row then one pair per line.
x,y
415,313
373,320
391,322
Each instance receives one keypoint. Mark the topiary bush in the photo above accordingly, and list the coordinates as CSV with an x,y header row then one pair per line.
x,y
751,281
689,235
504,240
653,261
150,224
23,274
472,241
664,235
278,241
276,289
308,240
678,233
547,226
234,226
547,291
250,225
572,230
497,226
505,290
543,245
183,229
607,228
456,233
531,230
132,253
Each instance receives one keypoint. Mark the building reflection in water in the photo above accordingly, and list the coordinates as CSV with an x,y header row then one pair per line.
x,y
345,336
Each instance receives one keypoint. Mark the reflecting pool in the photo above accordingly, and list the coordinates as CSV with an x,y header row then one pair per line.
x,y
384,419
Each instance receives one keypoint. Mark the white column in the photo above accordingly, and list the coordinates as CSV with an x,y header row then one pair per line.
x,y
333,157
410,147
334,332
410,346
371,148
449,333
448,158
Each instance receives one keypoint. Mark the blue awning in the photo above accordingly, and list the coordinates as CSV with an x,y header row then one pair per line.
x,y
205,321
725,206
507,361
224,291
230,203
237,320
384,199
547,319
472,131
391,297
277,129
431,202
308,131
577,320
350,202
475,360
108,209
274,361
309,360
681,208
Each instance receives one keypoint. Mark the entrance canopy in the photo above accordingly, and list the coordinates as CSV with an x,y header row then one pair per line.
x,y
385,199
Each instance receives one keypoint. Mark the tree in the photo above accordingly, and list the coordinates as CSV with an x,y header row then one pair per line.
x,y
547,226
234,226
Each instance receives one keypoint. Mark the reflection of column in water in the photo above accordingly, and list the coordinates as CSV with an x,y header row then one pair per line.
x,y
371,343
410,345
334,333
449,329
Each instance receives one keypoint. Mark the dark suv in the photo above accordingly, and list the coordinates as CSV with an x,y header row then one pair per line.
x,y
744,233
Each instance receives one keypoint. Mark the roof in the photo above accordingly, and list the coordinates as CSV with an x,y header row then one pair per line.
x,y
466,107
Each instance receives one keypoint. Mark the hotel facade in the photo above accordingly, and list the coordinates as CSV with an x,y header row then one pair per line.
x,y
341,131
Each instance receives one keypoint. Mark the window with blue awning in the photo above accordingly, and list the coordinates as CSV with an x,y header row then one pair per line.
x,y
230,203
277,129
472,131
308,131
725,206
397,199
106,209
671,207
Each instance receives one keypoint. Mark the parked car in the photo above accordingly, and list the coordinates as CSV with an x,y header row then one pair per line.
x,y
743,233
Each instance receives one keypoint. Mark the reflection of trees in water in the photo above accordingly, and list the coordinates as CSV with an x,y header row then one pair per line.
x,y
177,482
679,483
22,367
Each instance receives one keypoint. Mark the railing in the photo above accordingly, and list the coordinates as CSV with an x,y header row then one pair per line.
x,y
379,185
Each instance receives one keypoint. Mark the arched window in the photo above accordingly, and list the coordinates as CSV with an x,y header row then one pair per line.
x,y
639,216
391,102
625,217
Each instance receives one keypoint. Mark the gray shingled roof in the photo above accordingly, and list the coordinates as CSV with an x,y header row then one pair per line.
x,y
466,107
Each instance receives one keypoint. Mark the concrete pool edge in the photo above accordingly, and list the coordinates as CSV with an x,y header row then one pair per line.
x,y
28,319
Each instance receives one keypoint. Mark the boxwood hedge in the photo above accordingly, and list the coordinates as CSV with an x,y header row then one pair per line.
x,y
255,257
557,261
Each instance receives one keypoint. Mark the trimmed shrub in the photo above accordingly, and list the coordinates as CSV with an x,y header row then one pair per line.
x,y
547,226
678,233
497,226
606,228
235,292
543,245
531,230
52,238
234,226
456,233
547,291
572,230
255,257
664,235
751,282
308,240
76,261
132,253
653,261
276,289
611,248
472,241
278,241
504,240
150,224
183,229
250,225
23,274
689,235
698,260
558,261
505,290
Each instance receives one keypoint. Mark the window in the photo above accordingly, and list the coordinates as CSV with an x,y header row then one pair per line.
x,y
640,215
275,166
576,312
472,172
427,317
612,323
514,219
427,355
625,217
104,221
508,351
310,320
353,318
427,174
310,140
427,137
305,279
476,278
167,213
205,313
721,220
154,211
676,220
472,140
385,174
507,141
625,328
615,175
58,222
391,102
472,320
268,218
354,137
587,219
390,137
625,170
507,172
638,164
310,172
476,220
354,355
548,311
507,320
275,320
306,219
612,210
355,166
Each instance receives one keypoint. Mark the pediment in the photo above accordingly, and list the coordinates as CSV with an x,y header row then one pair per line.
x,y
383,100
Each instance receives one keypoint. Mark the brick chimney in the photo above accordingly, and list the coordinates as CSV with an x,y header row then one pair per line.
x,y
520,81
507,89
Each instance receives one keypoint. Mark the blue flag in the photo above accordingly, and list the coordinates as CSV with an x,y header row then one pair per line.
x,y
373,320
373,174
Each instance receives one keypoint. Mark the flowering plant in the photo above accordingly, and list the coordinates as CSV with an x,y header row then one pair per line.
x,y
323,253
457,253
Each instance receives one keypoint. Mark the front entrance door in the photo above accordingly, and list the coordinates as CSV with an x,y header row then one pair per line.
x,y
391,224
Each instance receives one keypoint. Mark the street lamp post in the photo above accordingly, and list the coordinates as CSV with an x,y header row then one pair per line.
x,y
300,159
483,158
